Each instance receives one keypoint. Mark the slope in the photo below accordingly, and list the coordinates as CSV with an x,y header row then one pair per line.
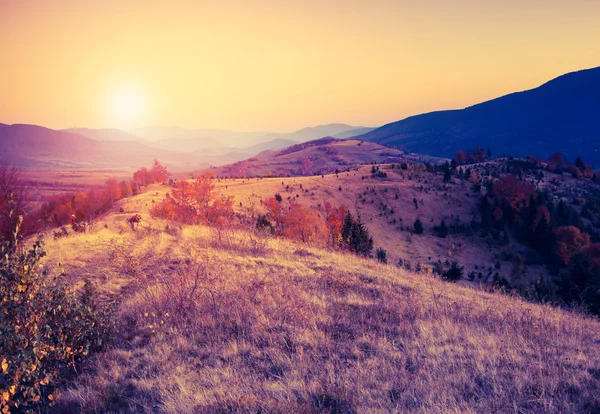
x,y
560,115
212,321
321,156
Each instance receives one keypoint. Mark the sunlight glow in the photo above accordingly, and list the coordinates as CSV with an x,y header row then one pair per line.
x,y
127,107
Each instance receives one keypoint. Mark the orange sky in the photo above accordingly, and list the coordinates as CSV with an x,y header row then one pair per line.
x,y
278,65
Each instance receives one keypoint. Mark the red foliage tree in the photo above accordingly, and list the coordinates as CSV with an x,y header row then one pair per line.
x,y
158,173
195,202
515,192
570,240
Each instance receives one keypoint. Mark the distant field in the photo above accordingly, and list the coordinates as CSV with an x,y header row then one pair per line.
x,y
44,183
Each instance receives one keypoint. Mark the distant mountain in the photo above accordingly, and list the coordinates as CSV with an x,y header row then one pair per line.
x,y
191,140
320,131
355,131
561,115
273,145
23,144
105,134
199,138
32,146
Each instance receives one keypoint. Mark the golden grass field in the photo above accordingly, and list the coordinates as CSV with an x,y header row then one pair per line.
x,y
211,321
452,202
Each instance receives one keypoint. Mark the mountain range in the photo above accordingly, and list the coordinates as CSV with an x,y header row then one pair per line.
x,y
560,115
32,146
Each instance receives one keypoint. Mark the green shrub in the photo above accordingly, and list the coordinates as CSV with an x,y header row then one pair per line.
x,y
45,328
454,272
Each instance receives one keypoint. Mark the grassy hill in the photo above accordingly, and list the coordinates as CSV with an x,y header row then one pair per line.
x,y
322,156
386,205
228,321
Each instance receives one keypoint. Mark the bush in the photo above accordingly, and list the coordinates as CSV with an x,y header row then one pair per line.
x,y
418,226
441,230
381,255
454,272
44,327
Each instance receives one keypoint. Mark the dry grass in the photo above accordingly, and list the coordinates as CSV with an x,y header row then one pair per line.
x,y
209,326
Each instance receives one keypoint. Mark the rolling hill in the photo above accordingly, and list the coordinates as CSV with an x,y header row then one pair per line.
x,y
561,115
216,321
321,156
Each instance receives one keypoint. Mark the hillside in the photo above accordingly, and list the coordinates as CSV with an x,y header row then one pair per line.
x,y
322,156
386,206
560,115
213,321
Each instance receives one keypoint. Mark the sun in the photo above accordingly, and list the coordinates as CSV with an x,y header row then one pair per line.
x,y
127,106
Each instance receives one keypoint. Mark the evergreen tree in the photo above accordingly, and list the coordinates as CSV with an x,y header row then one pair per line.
x,y
454,272
418,226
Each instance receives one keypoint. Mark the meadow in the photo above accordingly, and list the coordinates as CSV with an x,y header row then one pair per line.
x,y
234,321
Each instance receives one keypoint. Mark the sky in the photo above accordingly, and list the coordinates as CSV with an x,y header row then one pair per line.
x,y
278,65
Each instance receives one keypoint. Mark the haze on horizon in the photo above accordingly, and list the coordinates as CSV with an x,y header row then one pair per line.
x,y
277,65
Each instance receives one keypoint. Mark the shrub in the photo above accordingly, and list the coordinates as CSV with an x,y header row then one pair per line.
x,y
418,226
441,230
44,327
356,236
381,255
454,272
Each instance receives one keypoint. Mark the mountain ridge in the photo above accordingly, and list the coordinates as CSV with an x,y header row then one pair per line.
x,y
559,115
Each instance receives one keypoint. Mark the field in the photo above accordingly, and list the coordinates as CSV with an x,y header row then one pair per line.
x,y
40,184
380,201
227,321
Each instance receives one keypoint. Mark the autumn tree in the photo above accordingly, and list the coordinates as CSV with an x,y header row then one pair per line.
x,y
334,220
195,202
515,192
304,224
141,177
570,240
158,173
113,189
557,162
460,158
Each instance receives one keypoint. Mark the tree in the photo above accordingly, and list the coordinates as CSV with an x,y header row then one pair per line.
x,y
113,189
418,226
581,284
442,229
304,224
158,173
356,236
447,172
460,158
196,202
557,162
454,272
478,154
381,255
141,177
334,220
570,240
